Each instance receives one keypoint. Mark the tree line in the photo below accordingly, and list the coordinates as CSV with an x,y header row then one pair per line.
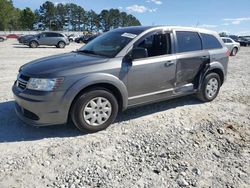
x,y
62,16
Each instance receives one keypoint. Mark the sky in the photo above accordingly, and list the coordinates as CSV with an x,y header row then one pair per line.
x,y
228,16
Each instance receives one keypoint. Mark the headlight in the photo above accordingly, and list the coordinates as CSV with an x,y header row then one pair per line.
x,y
42,84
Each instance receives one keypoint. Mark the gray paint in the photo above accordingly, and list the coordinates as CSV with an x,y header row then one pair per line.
x,y
139,81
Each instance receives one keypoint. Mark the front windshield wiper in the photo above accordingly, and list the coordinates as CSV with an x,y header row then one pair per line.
x,y
88,52
91,52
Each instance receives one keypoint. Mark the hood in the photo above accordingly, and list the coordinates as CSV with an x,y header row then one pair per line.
x,y
55,64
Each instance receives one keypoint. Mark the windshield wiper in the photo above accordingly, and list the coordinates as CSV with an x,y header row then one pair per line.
x,y
88,52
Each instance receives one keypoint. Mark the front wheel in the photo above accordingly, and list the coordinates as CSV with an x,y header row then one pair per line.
x,y
210,87
33,44
61,44
94,110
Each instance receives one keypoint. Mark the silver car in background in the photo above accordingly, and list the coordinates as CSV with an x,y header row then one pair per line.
x,y
49,39
232,46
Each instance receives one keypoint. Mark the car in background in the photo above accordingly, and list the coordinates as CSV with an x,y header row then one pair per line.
x,y
85,38
232,46
72,37
234,37
90,38
24,38
3,38
49,39
80,39
12,36
244,41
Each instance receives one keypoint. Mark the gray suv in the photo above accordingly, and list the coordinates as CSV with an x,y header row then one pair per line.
x,y
47,38
120,69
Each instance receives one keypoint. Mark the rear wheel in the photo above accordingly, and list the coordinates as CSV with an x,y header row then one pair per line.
x,y
210,87
234,51
94,110
1,39
33,44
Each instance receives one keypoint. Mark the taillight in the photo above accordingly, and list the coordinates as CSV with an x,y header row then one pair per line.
x,y
228,55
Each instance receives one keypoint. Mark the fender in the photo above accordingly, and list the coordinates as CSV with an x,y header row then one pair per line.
x,y
209,67
91,79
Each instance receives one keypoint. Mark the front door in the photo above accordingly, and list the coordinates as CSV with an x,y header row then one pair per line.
x,y
153,77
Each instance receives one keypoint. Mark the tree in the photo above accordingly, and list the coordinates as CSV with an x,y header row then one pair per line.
x,y
92,23
7,15
104,20
47,15
60,16
27,19
223,34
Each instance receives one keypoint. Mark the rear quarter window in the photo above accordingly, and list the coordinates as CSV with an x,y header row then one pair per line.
x,y
188,41
210,41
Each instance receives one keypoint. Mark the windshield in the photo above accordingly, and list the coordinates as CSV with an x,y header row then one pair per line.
x,y
109,44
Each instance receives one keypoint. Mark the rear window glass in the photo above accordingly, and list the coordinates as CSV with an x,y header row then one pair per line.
x,y
188,41
210,42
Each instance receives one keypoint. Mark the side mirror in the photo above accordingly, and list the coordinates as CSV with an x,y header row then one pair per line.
x,y
138,53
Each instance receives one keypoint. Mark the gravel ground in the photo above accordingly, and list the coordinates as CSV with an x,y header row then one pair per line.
x,y
177,143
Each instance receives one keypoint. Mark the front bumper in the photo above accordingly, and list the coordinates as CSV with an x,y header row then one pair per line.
x,y
40,108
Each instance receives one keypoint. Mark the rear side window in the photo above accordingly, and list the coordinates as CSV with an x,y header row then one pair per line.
x,y
210,42
188,41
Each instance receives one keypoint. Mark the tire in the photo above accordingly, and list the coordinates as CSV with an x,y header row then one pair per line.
x,y
61,44
33,44
71,40
210,87
234,51
87,104
1,39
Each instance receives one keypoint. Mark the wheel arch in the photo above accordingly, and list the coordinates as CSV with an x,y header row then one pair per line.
x,y
216,67
34,40
103,80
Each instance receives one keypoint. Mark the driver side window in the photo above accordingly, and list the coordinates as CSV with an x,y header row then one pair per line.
x,y
156,44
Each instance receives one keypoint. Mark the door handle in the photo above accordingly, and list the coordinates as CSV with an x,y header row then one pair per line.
x,y
169,63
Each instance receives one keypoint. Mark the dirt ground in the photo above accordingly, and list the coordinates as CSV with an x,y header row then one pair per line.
x,y
177,143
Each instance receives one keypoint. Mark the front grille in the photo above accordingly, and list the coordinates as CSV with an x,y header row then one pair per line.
x,y
22,81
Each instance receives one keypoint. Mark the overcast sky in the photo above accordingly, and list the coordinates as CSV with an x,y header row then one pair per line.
x,y
220,15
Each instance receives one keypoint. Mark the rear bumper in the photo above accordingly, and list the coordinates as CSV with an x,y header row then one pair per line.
x,y
39,110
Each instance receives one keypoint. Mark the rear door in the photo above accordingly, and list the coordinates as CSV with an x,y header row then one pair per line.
x,y
191,58
52,39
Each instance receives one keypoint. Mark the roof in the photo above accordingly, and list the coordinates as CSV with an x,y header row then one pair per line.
x,y
140,29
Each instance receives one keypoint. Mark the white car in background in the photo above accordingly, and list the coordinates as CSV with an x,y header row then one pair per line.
x,y
72,37
2,38
233,46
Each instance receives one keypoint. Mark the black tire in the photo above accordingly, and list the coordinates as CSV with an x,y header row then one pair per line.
x,y
203,95
33,44
1,39
61,44
77,110
71,40
234,51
